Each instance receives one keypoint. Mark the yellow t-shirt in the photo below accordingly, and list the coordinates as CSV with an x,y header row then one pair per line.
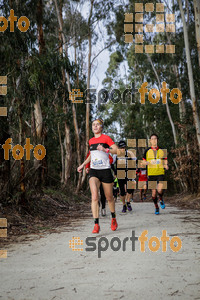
x,y
155,157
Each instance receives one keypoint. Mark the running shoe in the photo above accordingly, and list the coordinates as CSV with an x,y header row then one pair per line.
x,y
144,198
114,224
124,209
157,211
129,206
103,212
96,228
162,204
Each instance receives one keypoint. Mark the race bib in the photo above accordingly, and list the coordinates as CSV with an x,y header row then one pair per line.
x,y
97,162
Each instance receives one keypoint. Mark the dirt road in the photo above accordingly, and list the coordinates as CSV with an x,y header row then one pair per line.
x,y
47,268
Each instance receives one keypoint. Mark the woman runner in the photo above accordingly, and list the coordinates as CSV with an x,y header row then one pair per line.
x,y
100,171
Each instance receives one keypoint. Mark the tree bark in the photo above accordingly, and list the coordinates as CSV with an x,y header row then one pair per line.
x,y
5,172
22,202
167,106
62,156
60,21
197,25
67,139
37,106
87,126
78,150
190,75
88,77
182,110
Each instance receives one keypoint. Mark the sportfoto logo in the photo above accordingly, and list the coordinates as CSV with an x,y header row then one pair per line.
x,y
3,92
3,234
154,95
18,151
102,245
139,27
12,18
75,96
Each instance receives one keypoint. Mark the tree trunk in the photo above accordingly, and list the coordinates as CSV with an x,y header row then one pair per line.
x,y
197,25
183,185
66,159
60,21
38,119
88,79
182,110
68,153
39,18
62,156
22,202
40,174
190,75
38,134
5,186
87,126
167,107
78,150
168,113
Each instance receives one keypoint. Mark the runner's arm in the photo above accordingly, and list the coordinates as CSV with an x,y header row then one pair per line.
x,y
144,163
166,164
79,169
112,149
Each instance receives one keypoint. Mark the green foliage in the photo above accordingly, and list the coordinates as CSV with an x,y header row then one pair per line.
x,y
134,120
34,74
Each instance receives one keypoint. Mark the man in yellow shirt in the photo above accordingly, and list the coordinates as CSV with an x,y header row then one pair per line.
x,y
156,162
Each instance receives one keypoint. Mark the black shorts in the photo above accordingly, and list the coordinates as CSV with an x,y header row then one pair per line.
x,y
104,175
157,178
122,183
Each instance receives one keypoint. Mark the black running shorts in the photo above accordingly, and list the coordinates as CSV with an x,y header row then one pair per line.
x,y
157,178
104,175
122,183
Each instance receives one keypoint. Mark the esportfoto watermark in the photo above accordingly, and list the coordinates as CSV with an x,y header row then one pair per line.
x,y
39,151
3,92
91,96
3,234
134,27
12,18
102,245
